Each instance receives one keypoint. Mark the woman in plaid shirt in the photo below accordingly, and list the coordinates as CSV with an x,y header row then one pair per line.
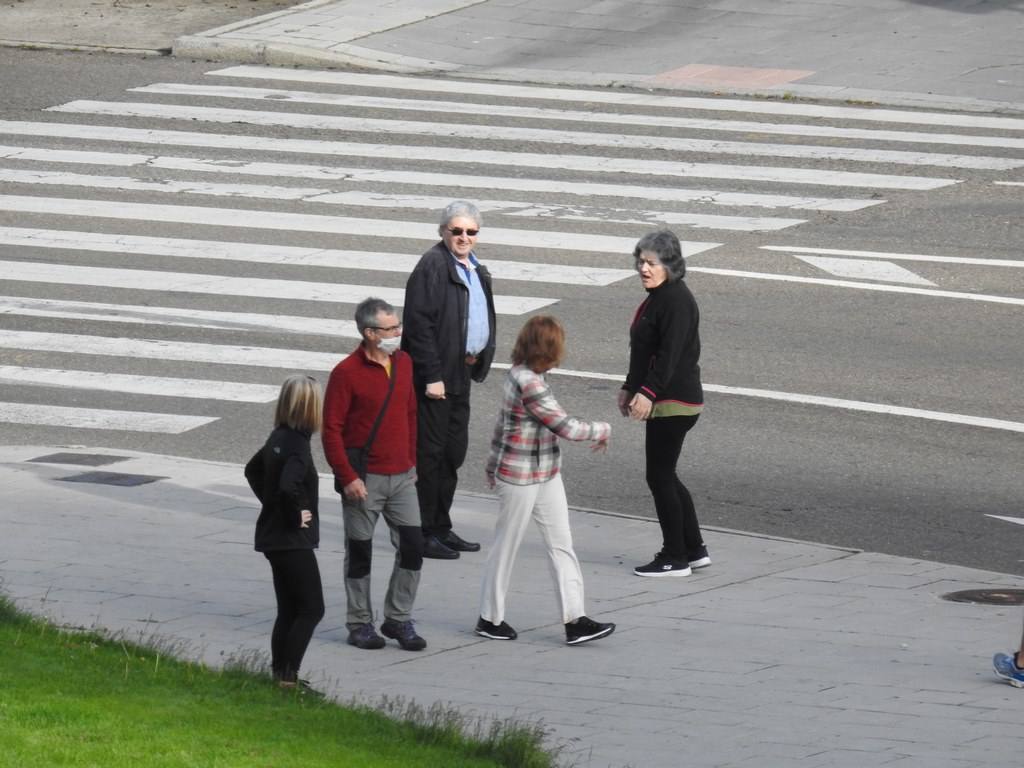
x,y
524,465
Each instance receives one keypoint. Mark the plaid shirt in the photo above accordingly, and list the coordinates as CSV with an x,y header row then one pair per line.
x,y
524,448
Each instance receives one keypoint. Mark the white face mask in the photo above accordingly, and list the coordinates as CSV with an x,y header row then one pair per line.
x,y
390,345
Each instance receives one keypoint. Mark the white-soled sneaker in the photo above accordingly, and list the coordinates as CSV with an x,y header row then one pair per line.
x,y
663,566
700,558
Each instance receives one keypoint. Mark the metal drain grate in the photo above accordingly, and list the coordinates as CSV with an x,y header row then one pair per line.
x,y
85,459
987,596
112,478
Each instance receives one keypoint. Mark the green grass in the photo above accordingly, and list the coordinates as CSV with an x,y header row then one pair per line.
x,y
77,699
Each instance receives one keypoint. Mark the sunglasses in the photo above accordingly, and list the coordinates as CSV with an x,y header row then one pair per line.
x,y
457,231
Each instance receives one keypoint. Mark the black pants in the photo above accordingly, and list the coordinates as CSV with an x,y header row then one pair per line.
x,y
300,606
680,531
441,442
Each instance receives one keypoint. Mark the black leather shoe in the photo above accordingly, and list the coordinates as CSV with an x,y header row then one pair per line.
x,y
452,540
432,547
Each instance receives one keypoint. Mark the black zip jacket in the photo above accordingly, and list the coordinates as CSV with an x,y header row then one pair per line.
x,y
436,318
664,346
284,479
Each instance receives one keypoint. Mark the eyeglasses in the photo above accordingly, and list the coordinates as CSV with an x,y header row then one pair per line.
x,y
391,328
457,231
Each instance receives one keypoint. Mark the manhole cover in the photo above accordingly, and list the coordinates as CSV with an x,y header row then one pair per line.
x,y
988,596
112,478
86,459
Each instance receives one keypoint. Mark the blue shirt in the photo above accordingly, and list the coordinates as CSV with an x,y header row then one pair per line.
x,y
478,329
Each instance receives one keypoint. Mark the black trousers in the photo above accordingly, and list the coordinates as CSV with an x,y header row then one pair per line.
x,y
441,442
300,606
680,532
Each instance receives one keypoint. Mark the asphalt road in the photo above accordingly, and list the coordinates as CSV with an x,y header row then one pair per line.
x,y
914,485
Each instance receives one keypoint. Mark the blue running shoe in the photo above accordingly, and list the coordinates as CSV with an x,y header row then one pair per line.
x,y
1006,669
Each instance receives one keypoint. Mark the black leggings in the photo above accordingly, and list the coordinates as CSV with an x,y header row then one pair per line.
x,y
300,606
680,532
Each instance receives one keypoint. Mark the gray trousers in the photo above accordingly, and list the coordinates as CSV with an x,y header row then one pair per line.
x,y
394,496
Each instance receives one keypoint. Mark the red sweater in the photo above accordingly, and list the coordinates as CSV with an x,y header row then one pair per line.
x,y
355,392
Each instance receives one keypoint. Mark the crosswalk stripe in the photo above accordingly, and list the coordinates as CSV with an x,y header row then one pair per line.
x,y
464,157
382,176
710,146
306,222
175,316
201,389
164,349
503,133
866,269
1010,183
561,274
95,418
984,297
609,96
897,256
382,200
220,285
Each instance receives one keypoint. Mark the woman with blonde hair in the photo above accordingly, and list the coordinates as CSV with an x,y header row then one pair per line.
x,y
525,466
284,479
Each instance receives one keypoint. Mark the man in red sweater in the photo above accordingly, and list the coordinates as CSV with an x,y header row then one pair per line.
x,y
357,394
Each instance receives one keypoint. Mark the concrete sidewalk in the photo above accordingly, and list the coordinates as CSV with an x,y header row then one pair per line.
x,y
781,653
923,53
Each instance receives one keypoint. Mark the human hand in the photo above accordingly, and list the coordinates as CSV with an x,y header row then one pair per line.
x,y
355,490
600,446
305,517
491,482
435,390
624,402
640,407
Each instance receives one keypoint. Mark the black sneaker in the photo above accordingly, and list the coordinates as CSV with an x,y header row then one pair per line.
x,y
663,566
501,631
405,633
365,636
585,629
699,558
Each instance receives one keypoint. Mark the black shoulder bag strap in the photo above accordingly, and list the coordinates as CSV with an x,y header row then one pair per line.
x,y
384,407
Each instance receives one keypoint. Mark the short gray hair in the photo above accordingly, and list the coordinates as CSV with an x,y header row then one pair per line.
x,y
665,244
367,311
457,209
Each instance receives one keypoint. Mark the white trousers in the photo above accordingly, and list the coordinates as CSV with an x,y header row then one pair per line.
x,y
547,505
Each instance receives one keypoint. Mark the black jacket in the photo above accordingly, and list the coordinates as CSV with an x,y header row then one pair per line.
x,y
436,317
283,477
664,346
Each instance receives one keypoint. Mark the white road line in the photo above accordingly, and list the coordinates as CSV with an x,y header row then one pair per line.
x,y
161,349
1016,520
163,186
306,222
464,156
320,361
452,130
175,316
1010,183
95,418
363,176
865,269
827,402
608,96
200,389
220,285
567,212
560,274
860,286
896,256
710,146
382,200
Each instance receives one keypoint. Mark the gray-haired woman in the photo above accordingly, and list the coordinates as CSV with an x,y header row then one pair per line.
x,y
663,389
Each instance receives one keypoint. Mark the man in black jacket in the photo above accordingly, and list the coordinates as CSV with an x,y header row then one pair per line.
x,y
449,332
